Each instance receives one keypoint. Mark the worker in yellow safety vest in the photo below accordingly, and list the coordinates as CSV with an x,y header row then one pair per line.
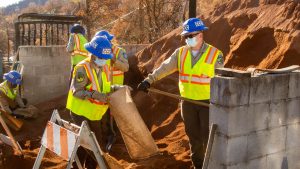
x,y
10,98
76,45
91,84
119,65
196,63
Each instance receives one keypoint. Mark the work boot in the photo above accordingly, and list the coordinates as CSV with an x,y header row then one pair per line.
x,y
110,141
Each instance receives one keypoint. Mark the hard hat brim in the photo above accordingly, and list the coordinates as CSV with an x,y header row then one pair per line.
x,y
198,30
110,37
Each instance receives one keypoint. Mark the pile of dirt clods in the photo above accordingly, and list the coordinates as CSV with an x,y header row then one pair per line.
x,y
251,33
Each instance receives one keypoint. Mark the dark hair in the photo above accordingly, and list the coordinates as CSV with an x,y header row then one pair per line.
x,y
78,29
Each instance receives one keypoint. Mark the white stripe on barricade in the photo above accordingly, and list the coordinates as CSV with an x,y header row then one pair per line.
x,y
59,140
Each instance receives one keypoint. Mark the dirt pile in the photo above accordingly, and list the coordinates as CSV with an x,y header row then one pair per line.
x,y
251,33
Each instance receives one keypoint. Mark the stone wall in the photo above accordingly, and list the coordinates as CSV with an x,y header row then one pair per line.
x,y
258,122
46,72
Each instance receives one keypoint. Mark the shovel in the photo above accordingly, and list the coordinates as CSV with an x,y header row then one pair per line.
x,y
153,90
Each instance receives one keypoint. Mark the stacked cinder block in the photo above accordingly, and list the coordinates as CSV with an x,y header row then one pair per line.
x,y
46,72
258,122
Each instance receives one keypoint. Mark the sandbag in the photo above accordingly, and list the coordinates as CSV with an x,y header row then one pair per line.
x,y
138,140
27,112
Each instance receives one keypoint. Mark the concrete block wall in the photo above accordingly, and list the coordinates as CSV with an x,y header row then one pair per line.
x,y
46,72
258,122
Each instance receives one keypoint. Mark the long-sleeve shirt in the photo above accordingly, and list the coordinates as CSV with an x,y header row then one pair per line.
x,y
170,65
6,102
71,43
80,81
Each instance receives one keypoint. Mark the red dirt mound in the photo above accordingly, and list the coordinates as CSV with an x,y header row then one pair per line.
x,y
251,33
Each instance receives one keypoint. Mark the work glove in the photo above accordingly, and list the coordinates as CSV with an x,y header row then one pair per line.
x,y
99,96
144,86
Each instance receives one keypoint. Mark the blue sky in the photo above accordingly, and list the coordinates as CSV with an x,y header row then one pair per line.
x,y
4,3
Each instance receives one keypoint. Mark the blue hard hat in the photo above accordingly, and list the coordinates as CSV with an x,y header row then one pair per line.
x,y
76,28
100,47
13,77
105,33
193,25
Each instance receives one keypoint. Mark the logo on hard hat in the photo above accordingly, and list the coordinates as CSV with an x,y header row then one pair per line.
x,y
11,76
106,51
199,23
186,27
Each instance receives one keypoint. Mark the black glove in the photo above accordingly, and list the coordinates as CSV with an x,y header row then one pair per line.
x,y
144,86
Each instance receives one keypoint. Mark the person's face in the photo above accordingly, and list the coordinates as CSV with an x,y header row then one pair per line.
x,y
99,62
194,39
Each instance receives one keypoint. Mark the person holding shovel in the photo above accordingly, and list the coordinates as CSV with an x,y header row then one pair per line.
x,y
195,62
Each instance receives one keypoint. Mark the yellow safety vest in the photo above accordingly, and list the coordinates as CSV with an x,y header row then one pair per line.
x,y
194,82
12,94
118,75
90,108
79,53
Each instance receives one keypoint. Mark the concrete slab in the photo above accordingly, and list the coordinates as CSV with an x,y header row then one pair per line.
x,y
278,113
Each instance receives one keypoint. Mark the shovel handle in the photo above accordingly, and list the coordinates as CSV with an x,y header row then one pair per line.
x,y
175,96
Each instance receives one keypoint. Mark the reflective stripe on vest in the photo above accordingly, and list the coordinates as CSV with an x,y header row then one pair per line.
x,y
79,53
90,108
194,82
118,76
12,94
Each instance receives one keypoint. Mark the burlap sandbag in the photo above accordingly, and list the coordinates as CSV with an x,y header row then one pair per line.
x,y
135,133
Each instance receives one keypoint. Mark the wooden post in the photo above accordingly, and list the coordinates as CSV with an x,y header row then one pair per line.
x,y
63,35
68,27
46,34
34,35
57,34
28,36
52,33
17,36
192,8
23,34
41,34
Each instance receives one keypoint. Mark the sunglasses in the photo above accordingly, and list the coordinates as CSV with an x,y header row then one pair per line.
x,y
190,36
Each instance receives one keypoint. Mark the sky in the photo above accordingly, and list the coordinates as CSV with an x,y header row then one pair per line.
x,y
4,3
